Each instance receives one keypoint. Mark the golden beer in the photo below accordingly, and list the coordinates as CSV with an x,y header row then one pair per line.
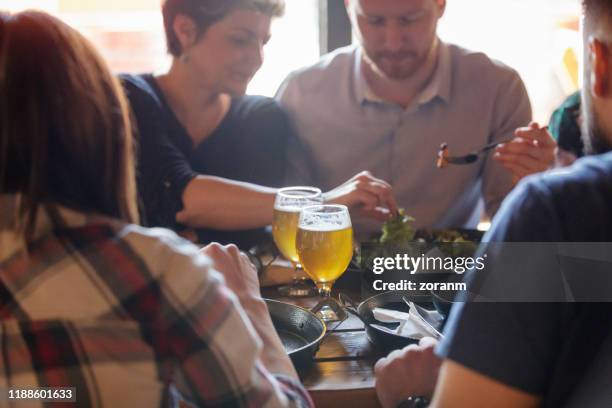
x,y
325,254
284,231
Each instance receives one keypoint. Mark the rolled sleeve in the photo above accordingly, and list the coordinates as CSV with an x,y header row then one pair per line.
x,y
163,171
163,175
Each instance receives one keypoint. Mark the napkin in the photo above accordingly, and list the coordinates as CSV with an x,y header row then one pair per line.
x,y
410,325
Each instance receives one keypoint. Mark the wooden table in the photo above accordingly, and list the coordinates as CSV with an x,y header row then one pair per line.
x,y
342,372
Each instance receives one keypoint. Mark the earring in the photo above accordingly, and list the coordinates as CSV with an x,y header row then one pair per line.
x,y
184,58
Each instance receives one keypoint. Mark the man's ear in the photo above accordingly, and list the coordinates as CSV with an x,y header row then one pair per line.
x,y
350,9
186,31
348,4
441,7
600,69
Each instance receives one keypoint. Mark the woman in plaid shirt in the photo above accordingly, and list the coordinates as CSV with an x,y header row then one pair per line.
x,y
127,316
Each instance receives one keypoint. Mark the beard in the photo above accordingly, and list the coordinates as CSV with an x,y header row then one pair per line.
x,y
594,137
396,65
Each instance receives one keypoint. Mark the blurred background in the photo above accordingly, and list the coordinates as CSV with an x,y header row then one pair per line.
x,y
540,39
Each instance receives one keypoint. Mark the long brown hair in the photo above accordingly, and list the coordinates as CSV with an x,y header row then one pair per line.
x,y
65,134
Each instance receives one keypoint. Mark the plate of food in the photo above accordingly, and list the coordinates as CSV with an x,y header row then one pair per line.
x,y
440,251
399,233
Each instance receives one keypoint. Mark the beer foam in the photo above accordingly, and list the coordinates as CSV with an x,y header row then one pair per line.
x,y
288,209
326,227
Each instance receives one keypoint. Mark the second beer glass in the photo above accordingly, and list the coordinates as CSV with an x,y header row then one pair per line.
x,y
325,249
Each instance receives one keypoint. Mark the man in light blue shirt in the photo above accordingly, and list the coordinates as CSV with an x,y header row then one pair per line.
x,y
387,104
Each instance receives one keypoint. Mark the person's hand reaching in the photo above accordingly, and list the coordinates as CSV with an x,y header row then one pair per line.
x,y
370,196
531,151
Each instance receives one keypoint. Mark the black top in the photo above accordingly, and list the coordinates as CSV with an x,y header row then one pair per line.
x,y
546,349
248,145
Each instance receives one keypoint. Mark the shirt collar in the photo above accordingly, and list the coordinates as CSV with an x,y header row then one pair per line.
x,y
12,241
439,86
363,93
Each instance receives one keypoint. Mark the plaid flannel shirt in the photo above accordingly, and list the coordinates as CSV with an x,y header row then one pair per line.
x,y
128,316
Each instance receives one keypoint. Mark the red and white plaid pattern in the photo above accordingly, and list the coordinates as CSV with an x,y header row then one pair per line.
x,y
129,316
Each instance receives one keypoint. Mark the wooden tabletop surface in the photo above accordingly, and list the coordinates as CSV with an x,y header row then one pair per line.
x,y
342,371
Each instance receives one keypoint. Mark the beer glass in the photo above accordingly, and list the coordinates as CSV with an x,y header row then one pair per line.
x,y
325,248
287,205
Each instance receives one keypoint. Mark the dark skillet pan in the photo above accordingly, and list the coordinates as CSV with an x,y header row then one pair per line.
x,y
389,300
300,331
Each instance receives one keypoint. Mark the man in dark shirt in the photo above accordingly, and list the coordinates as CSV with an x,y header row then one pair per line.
x,y
532,354
521,345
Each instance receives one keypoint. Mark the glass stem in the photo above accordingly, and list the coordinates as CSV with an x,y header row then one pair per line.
x,y
296,268
324,290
